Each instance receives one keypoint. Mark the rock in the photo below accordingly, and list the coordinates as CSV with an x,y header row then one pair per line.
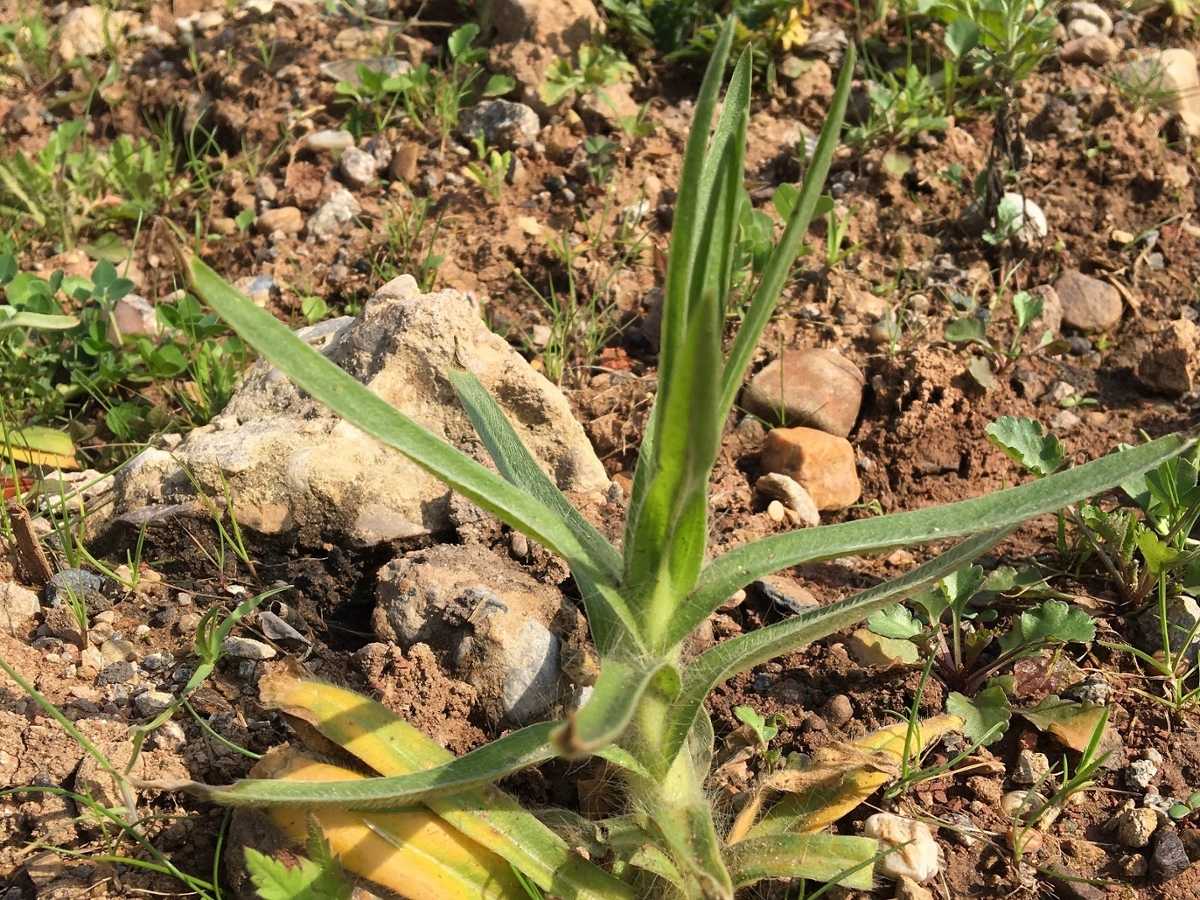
x,y
1140,773
18,607
153,662
1169,366
150,703
247,648
1069,885
985,788
1169,859
562,25
117,650
347,69
1183,612
787,595
116,673
815,388
90,30
132,316
606,108
907,889
274,445
1063,421
1135,827
1021,804
1092,50
358,167
1091,13
78,585
265,189
1079,28
1173,76
1093,689
328,141
286,219
334,215
1029,228
776,511
1031,768
783,489
838,710
1088,304
502,124
917,859
403,166
502,631
823,464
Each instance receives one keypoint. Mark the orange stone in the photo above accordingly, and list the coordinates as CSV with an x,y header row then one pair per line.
x,y
823,464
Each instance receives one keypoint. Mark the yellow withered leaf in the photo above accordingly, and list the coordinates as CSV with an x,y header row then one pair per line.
x,y
414,853
839,778
36,446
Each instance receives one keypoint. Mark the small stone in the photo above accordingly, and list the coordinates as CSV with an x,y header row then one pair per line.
x,y
1093,689
787,595
403,166
117,650
116,673
247,648
80,585
1135,827
1031,768
132,316
1122,238
1092,13
1170,365
1091,49
815,388
788,492
265,189
1058,392
1021,803
1089,304
168,736
961,828
150,703
502,124
1030,227
1154,756
916,859
1063,421
776,511
187,624
907,889
1133,865
334,215
1160,804
823,464
1140,773
1169,859
153,662
286,219
328,141
1079,346
838,710
358,167
1183,612
986,789
18,607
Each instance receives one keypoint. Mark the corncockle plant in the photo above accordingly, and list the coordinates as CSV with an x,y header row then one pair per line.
x,y
646,716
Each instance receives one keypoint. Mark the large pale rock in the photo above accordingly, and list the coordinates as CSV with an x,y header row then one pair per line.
x,y
812,387
823,464
1088,303
89,30
290,463
1173,75
1169,366
18,607
500,630
916,856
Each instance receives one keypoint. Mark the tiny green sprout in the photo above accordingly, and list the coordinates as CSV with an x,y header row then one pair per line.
x,y
765,728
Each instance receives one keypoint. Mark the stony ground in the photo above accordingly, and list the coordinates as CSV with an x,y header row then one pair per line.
x,y
297,209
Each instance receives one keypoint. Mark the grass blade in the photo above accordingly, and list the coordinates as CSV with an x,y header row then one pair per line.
x,y
1003,509
511,753
783,257
848,861
354,402
713,666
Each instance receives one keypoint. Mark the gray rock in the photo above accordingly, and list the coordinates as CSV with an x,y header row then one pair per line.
x,y
500,631
1031,768
1088,303
284,457
150,703
1183,612
18,608
153,662
247,648
1093,689
1170,859
1140,773
116,673
82,585
358,167
785,594
502,124
334,215
347,69
814,388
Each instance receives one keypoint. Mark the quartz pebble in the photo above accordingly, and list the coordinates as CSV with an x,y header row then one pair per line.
x,y
326,141
916,859
1140,773
1135,827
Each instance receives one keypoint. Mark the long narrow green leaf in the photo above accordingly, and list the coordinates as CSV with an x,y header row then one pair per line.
x,y
726,659
519,467
848,861
779,265
604,716
519,750
39,321
358,405
740,567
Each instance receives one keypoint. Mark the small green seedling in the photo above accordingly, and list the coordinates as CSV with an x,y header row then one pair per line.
x,y
765,729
